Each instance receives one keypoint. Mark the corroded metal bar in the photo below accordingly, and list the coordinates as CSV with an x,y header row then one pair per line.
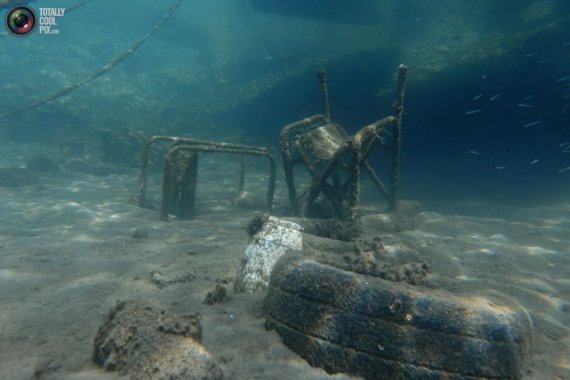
x,y
359,149
305,158
241,182
354,201
396,145
221,148
321,74
317,187
370,131
376,141
141,196
288,161
166,187
140,199
376,180
186,202
358,158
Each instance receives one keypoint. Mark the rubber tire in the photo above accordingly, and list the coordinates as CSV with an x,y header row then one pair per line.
x,y
345,322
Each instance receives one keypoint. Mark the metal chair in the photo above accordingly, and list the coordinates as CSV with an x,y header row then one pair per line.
x,y
334,159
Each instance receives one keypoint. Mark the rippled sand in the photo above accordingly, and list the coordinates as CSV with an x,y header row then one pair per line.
x,y
72,247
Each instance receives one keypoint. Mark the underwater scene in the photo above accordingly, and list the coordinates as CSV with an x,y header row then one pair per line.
x,y
284,189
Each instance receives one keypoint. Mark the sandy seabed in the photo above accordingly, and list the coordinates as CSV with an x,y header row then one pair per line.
x,y
73,246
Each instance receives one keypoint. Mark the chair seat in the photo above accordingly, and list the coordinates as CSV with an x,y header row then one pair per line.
x,y
323,142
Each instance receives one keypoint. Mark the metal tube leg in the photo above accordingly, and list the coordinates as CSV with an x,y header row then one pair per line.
x,y
241,183
187,202
166,188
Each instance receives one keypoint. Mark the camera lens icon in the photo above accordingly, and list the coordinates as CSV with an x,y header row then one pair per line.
x,y
21,20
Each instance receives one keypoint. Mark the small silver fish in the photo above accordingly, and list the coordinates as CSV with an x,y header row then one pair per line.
x,y
563,79
532,124
474,152
529,97
524,105
477,97
564,169
496,96
532,54
563,110
534,161
499,167
472,112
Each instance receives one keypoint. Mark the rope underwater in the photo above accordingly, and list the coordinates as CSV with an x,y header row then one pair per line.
x,y
101,71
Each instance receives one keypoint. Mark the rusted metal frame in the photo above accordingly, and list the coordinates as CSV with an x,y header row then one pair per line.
x,y
396,144
376,180
313,171
338,189
335,197
319,182
191,142
374,142
141,196
358,158
288,160
370,131
213,148
189,189
321,74
317,187
184,199
371,172
241,182
395,171
311,167
175,170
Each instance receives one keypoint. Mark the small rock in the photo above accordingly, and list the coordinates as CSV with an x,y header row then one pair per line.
x,y
139,233
218,295
144,344
162,281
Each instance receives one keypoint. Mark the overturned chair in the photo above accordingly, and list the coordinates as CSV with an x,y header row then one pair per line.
x,y
180,173
334,159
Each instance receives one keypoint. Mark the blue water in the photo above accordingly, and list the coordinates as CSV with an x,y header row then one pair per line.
x,y
225,67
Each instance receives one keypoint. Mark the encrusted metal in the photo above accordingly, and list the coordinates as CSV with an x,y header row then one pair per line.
x,y
328,153
180,173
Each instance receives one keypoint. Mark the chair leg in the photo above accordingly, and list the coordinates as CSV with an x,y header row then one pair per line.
x,y
355,186
395,170
290,180
166,180
187,201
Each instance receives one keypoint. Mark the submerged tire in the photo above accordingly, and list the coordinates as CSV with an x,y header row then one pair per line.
x,y
346,322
